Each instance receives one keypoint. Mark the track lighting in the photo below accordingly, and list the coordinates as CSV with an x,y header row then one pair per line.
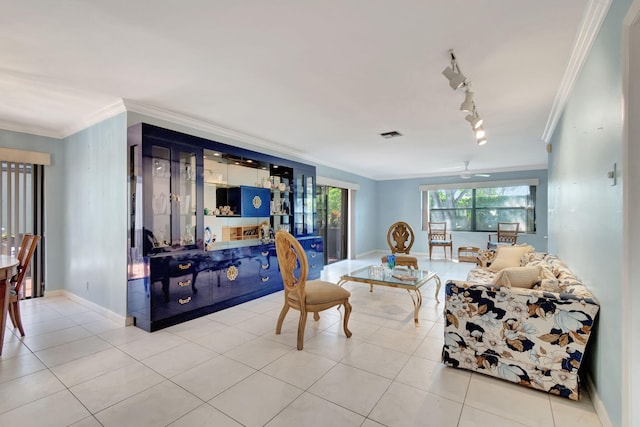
x,y
467,105
458,80
475,121
453,73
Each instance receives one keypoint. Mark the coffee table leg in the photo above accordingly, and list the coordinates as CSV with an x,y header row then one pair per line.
x,y
417,303
438,284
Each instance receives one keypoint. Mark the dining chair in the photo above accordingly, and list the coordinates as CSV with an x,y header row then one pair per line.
x,y
400,238
27,248
506,235
302,295
438,237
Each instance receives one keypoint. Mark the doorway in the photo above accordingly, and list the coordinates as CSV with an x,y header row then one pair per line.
x,y
21,212
333,211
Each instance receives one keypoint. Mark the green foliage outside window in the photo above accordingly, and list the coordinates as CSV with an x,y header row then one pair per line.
x,y
334,197
480,209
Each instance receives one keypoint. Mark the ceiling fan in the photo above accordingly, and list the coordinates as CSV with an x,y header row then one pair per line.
x,y
465,174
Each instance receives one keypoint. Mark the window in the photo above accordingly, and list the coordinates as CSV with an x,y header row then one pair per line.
x,y
480,208
21,212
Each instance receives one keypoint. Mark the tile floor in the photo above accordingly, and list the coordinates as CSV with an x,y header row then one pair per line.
x,y
76,367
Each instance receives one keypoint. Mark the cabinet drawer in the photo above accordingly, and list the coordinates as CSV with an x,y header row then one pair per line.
x,y
178,267
181,295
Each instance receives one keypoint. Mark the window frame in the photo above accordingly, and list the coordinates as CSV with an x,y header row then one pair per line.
x,y
529,211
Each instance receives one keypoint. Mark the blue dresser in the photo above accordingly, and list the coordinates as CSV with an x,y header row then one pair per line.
x,y
177,186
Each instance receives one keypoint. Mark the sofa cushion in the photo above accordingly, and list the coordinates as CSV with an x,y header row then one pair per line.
x,y
509,256
518,277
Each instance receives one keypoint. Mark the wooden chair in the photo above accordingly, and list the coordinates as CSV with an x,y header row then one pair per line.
x,y
27,248
305,296
400,239
438,237
507,235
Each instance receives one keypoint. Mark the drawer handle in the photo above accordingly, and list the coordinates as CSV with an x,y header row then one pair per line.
x,y
264,266
184,266
313,245
265,279
313,265
264,253
313,254
185,301
184,283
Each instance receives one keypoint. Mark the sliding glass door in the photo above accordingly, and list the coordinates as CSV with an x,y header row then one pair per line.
x,y
332,221
21,189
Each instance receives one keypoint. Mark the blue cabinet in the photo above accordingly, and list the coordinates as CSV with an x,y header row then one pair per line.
x,y
174,179
176,286
305,217
245,201
313,248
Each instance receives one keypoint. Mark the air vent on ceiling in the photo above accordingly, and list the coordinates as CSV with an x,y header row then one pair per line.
x,y
392,134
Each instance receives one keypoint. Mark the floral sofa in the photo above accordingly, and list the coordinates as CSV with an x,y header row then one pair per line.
x,y
534,336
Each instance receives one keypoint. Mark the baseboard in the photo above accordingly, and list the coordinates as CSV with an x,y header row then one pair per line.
x,y
115,317
597,403
383,252
367,254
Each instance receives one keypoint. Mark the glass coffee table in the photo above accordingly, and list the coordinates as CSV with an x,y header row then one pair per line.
x,y
411,280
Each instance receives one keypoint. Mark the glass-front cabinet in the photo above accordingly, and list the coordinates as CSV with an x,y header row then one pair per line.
x,y
170,217
202,239
305,212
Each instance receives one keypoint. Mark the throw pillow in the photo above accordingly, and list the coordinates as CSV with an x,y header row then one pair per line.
x,y
545,270
550,285
509,256
518,277
532,257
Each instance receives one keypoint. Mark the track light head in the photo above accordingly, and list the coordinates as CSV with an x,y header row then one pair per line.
x,y
456,81
456,78
475,121
467,105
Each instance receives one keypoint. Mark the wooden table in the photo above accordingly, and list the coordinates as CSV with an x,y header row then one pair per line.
x,y
8,269
421,277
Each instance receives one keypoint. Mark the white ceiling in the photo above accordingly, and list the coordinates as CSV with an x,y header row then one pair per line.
x,y
316,78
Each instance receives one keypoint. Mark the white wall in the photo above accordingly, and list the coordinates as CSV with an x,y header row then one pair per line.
x,y
585,211
95,226
631,227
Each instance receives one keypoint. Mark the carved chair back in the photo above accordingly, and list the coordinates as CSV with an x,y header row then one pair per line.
x,y
400,238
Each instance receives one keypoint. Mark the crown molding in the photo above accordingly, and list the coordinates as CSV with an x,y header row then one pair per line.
x,y
102,114
30,129
209,127
594,15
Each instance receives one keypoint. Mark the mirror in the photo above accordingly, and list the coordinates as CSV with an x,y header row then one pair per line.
x,y
224,173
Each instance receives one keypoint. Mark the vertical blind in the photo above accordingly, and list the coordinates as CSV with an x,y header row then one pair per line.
x,y
21,186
